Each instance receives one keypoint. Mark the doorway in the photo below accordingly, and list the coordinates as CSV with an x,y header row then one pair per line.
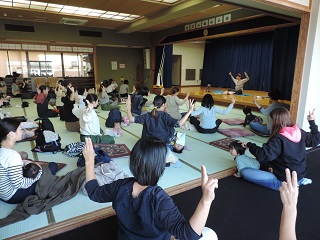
x,y
176,70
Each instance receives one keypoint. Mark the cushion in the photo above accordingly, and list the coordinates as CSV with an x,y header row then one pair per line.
x,y
233,121
236,132
222,143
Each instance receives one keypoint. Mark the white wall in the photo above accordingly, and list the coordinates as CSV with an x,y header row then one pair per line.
x,y
309,95
192,58
301,2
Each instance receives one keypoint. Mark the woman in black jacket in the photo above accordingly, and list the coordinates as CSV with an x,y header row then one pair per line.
x,y
286,148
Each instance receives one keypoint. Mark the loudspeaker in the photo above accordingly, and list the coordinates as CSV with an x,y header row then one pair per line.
x,y
146,58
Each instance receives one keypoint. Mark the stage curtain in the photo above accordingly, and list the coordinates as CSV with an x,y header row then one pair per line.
x,y
167,66
251,53
284,60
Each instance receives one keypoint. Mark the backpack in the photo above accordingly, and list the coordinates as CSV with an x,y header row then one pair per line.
x,y
114,116
101,156
47,140
74,149
24,104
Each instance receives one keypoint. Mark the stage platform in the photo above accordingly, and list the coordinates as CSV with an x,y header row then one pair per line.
x,y
246,99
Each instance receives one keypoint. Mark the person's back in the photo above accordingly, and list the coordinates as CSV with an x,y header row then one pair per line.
x,y
271,107
172,106
137,105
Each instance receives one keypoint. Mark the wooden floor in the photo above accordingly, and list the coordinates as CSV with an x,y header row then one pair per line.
x,y
197,93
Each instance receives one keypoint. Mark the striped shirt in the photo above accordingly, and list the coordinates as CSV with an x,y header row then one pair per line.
x,y
11,176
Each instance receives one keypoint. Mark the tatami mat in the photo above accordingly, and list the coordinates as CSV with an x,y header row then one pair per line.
x,y
201,153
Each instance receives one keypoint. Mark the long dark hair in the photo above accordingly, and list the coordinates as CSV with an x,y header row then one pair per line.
x,y
174,90
207,101
8,125
148,160
280,119
43,88
158,101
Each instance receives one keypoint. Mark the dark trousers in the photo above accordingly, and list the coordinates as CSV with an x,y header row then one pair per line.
x,y
196,123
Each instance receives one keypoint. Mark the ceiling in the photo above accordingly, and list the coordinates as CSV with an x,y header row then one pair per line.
x,y
155,16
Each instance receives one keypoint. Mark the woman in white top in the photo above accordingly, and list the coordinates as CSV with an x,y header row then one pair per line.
x,y
89,121
238,82
14,187
173,103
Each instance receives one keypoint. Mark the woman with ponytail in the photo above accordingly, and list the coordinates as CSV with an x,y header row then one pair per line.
x,y
158,123
89,121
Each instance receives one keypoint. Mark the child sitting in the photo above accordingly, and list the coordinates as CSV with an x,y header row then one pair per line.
x,y
116,131
242,160
250,117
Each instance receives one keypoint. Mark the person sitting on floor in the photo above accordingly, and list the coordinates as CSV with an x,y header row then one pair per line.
x,y
139,197
42,103
70,120
116,131
208,122
104,99
259,128
238,90
89,121
3,86
286,148
158,123
242,160
173,102
138,101
15,88
250,117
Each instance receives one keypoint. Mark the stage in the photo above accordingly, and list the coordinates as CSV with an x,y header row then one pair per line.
x,y
246,99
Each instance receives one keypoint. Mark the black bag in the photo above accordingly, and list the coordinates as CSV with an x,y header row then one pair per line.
x,y
114,116
24,104
41,144
101,156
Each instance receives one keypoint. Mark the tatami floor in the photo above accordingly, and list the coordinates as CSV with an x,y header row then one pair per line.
x,y
80,210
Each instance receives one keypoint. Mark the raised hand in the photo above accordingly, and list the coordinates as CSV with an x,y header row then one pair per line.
x,y
208,185
128,102
311,115
191,105
89,104
88,152
289,189
233,100
162,91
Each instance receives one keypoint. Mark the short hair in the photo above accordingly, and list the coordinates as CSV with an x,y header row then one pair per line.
x,y
30,170
239,74
207,101
80,90
236,145
8,125
126,81
247,110
274,94
148,160
176,150
144,91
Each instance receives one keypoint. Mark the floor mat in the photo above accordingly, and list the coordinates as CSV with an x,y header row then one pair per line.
x,y
236,132
233,121
114,150
60,165
222,143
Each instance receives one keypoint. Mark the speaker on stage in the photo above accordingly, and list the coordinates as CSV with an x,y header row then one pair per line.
x,y
146,58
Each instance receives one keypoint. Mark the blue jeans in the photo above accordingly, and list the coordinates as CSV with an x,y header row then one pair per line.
x,y
263,178
260,128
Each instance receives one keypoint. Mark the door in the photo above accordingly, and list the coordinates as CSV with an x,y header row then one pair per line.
x,y
176,70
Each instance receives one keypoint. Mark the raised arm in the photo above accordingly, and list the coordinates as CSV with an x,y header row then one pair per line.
x,y
128,104
89,156
199,217
289,198
233,79
185,117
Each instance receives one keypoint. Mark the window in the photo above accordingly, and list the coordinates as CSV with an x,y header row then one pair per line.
x,y
190,74
72,64
18,63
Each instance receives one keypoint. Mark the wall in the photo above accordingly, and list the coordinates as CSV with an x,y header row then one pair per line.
x,y
70,34
192,58
131,57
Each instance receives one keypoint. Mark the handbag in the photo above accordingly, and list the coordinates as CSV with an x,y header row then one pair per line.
x,y
101,156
